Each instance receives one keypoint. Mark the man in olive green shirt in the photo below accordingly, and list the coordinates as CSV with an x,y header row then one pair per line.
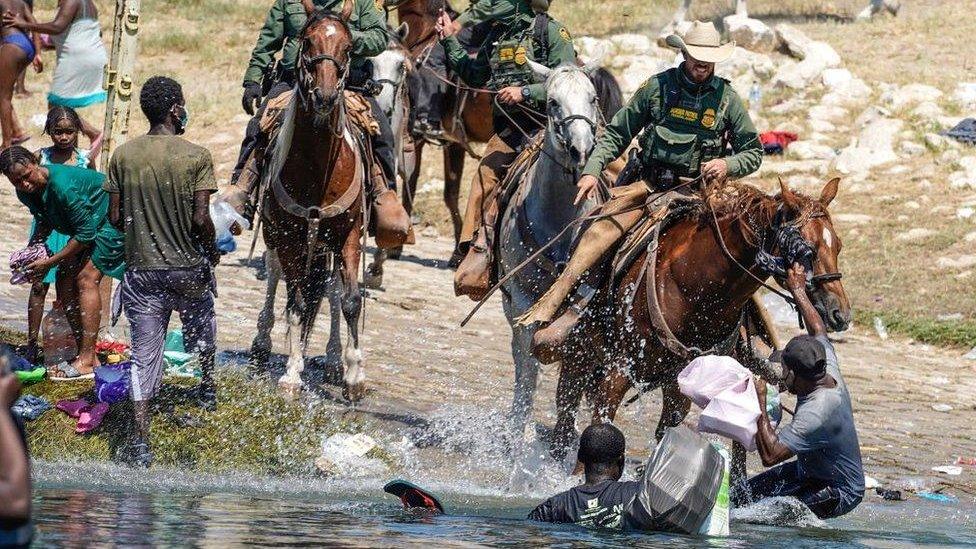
x,y
281,33
160,186
502,66
687,119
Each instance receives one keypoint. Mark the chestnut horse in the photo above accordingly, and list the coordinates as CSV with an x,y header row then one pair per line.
x,y
315,209
701,292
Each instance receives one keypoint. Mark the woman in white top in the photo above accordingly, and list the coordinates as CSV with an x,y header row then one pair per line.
x,y
77,80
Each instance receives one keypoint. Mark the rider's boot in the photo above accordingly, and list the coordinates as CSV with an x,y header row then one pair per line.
x,y
392,222
596,243
473,275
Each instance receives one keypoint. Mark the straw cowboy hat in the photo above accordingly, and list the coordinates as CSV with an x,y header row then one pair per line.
x,y
703,42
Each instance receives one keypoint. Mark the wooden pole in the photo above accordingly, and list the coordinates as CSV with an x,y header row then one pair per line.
x,y
118,77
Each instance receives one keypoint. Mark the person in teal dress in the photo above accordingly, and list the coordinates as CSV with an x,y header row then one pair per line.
x,y
63,125
70,200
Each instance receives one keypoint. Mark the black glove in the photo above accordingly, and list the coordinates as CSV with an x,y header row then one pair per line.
x,y
252,94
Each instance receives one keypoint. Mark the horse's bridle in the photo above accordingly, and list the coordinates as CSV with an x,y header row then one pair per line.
x,y
306,63
791,248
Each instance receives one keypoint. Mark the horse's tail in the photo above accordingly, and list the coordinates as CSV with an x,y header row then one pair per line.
x,y
608,91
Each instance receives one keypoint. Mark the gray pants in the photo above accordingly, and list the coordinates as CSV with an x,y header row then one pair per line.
x,y
149,297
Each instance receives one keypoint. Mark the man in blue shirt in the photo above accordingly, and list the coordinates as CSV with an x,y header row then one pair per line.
x,y
826,475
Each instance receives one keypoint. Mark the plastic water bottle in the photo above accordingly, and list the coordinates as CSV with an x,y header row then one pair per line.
x,y
755,96
717,522
57,339
880,328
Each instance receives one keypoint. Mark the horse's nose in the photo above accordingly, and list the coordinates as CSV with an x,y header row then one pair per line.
x,y
575,154
318,98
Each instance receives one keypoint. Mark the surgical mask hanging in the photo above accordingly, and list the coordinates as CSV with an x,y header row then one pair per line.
x,y
183,120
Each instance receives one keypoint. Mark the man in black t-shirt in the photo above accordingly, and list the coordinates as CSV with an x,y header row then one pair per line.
x,y
601,499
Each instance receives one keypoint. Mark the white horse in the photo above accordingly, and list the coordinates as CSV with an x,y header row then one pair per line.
x,y
390,70
542,208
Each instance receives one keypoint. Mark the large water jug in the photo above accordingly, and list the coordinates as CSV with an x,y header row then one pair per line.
x,y
57,339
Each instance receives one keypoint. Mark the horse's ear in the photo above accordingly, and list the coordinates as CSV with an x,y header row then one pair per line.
x,y
539,71
347,6
790,199
309,7
829,192
402,31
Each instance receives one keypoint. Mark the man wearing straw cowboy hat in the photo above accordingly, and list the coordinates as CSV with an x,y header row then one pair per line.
x,y
686,119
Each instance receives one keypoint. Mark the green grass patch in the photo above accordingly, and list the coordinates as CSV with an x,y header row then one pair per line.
x,y
254,428
959,333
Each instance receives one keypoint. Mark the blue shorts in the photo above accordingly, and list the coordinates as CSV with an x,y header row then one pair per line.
x,y
21,40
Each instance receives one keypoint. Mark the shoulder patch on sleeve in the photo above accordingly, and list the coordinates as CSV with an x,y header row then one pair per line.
x,y
564,34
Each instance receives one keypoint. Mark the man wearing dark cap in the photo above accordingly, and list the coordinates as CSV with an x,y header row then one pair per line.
x,y
826,475
600,500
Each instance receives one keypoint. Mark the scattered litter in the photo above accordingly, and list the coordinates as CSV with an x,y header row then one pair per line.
x,y
952,470
30,407
965,213
181,364
889,495
971,355
942,407
870,483
879,327
345,454
966,461
933,496
174,341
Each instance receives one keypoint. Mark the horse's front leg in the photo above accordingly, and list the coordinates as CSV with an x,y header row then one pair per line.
x,y
261,345
291,381
674,409
526,380
354,377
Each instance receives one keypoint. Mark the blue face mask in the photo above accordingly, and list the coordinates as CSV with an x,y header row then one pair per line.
x,y
184,120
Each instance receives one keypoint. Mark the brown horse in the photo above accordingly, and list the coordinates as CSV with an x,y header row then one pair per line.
x,y
315,209
701,292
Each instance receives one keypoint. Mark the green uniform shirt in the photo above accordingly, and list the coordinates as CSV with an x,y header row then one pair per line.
x,y
157,176
643,112
286,19
484,10
74,204
478,72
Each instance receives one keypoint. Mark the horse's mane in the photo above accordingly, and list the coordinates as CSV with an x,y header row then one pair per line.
x,y
751,206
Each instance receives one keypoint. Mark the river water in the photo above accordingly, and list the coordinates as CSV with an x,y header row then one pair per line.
x,y
81,505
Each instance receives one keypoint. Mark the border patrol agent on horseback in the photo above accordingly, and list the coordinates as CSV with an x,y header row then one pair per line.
x,y
280,33
427,91
689,118
516,36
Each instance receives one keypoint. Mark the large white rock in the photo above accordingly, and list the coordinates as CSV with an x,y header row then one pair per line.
x,y
912,148
928,111
674,27
819,57
751,34
836,79
938,142
965,178
843,88
628,44
873,147
916,234
870,114
909,95
807,150
821,126
743,61
589,48
637,70
965,94
830,113
793,40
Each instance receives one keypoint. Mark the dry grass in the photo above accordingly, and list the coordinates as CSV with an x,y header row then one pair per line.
x,y
206,43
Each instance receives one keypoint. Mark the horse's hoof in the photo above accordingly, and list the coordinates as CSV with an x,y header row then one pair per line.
x,y
395,253
354,393
289,389
373,280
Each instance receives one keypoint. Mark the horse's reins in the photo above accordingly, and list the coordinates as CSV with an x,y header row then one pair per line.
x,y
572,224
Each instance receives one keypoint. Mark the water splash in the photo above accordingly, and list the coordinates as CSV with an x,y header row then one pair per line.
x,y
778,511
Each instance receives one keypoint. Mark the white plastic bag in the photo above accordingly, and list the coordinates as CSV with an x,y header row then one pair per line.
x,y
707,376
224,217
733,413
